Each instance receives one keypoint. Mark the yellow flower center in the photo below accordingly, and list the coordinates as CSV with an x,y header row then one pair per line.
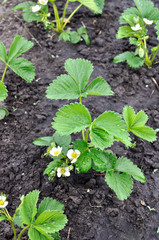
x,y
74,155
56,152
1,202
42,1
62,170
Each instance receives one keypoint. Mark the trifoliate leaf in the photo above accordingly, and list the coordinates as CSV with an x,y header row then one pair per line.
x,y
28,208
3,53
144,7
102,161
100,138
3,113
123,164
23,68
3,91
98,87
63,88
2,218
124,32
121,184
80,145
135,62
50,221
71,119
112,123
50,204
61,140
123,57
40,235
43,141
80,70
19,45
129,116
84,162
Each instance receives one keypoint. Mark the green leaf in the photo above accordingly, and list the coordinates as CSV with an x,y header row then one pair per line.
x,y
136,124
3,53
124,32
74,37
133,41
35,234
135,62
102,161
112,123
63,88
121,184
144,7
49,204
100,138
56,236
133,11
145,132
65,36
53,165
98,87
82,30
80,70
123,57
3,217
71,119
86,39
19,45
80,145
124,165
18,221
50,221
94,5
84,162
23,68
3,113
28,207
62,140
3,91
43,141
157,28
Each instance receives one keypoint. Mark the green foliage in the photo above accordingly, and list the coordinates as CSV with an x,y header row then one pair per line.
x,y
3,53
136,124
91,151
71,119
43,223
136,21
58,25
75,37
73,85
3,91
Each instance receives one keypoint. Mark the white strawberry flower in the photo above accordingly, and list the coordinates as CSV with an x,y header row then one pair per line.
x,y
55,151
43,2
36,8
63,171
148,22
137,27
3,202
73,155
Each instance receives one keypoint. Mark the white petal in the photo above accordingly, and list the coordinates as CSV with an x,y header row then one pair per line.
x,y
59,174
67,174
78,152
69,153
3,198
74,160
5,204
59,170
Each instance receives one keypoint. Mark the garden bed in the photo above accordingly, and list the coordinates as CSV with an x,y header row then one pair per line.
x,y
92,208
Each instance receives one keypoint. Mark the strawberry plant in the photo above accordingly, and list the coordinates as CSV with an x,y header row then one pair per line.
x,y
98,135
19,65
42,223
39,12
136,20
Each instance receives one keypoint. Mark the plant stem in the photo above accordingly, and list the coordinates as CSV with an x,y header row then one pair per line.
x,y
57,18
64,11
147,60
154,55
83,136
68,19
13,227
22,232
87,133
4,73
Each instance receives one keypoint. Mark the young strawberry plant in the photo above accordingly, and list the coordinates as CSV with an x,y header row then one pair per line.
x,y
39,12
137,19
42,223
19,65
92,151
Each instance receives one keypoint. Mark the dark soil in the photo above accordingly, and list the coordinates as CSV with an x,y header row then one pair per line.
x,y
93,210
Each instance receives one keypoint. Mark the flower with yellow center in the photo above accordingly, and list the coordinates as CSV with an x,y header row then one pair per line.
x,y
56,151
36,8
43,2
73,155
63,171
3,202
148,22
137,27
